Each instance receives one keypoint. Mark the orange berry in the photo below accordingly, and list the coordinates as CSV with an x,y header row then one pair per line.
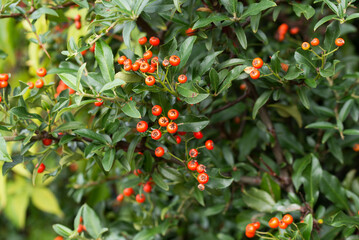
x,y
339,42
282,225
315,42
273,223
305,45
288,219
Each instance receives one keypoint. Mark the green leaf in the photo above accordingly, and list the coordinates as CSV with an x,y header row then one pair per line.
x,y
130,110
3,55
275,63
87,133
312,177
241,35
186,50
191,123
308,227
335,149
207,62
332,33
170,173
147,234
62,230
177,5
70,81
332,6
22,113
293,73
104,58
303,57
91,222
230,5
321,125
108,159
342,220
43,10
79,75
330,71
305,9
119,134
214,78
128,77
131,149
255,8
198,195
259,200
354,132
126,33
81,3
255,22
214,210
262,99
323,20
46,201
157,178
352,16
270,186
298,168
4,155
286,111
333,190
112,85
203,22
302,93
219,183
70,126
344,112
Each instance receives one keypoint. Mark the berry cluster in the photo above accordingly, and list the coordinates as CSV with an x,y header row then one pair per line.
x,y
62,87
3,80
253,72
78,21
40,168
41,72
356,147
315,42
81,227
128,192
283,224
252,228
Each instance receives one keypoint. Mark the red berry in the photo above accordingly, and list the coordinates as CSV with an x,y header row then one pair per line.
x,y
0,99
154,41
198,135
282,225
4,77
315,42
250,235
150,80
182,78
257,62
339,42
140,198
137,172
127,67
3,84
175,60
135,66
120,197
77,17
201,168
159,152
203,178
156,134
92,48
41,168
250,228
142,126
172,127
156,110
257,225
273,223
78,25
47,141
182,133
31,85
128,192
41,72
190,32
127,61
121,60
192,165
201,187
39,83
154,62
152,69
294,30
288,219
305,45
193,153
178,139
255,74
80,228
165,63
144,67
147,188
142,40
173,114
209,144
99,102
163,121
147,54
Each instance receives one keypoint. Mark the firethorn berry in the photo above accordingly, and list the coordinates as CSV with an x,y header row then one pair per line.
x,y
201,168
140,198
77,17
288,219
165,63
356,149
127,61
135,66
156,110
154,61
47,141
142,126
203,178
257,225
257,63
243,86
273,223
152,69
147,54
83,53
284,67
315,42
255,74
172,127
192,165
80,228
250,228
0,99
127,67
41,72
182,133
305,45
193,153
41,168
142,40
141,60
144,67
163,121
120,197
190,32
201,187
39,83
178,139
4,77
173,114
282,225
150,80
320,221
147,188
182,78
159,152
92,48
294,30
121,59
128,192
137,172
198,135
3,84
99,102
154,41
78,25
58,238
175,60
156,134
250,235
283,28
209,144
339,42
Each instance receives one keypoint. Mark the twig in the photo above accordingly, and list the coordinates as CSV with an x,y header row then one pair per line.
x,y
230,104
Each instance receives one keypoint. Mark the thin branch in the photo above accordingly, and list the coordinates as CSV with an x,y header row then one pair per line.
x,y
230,104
